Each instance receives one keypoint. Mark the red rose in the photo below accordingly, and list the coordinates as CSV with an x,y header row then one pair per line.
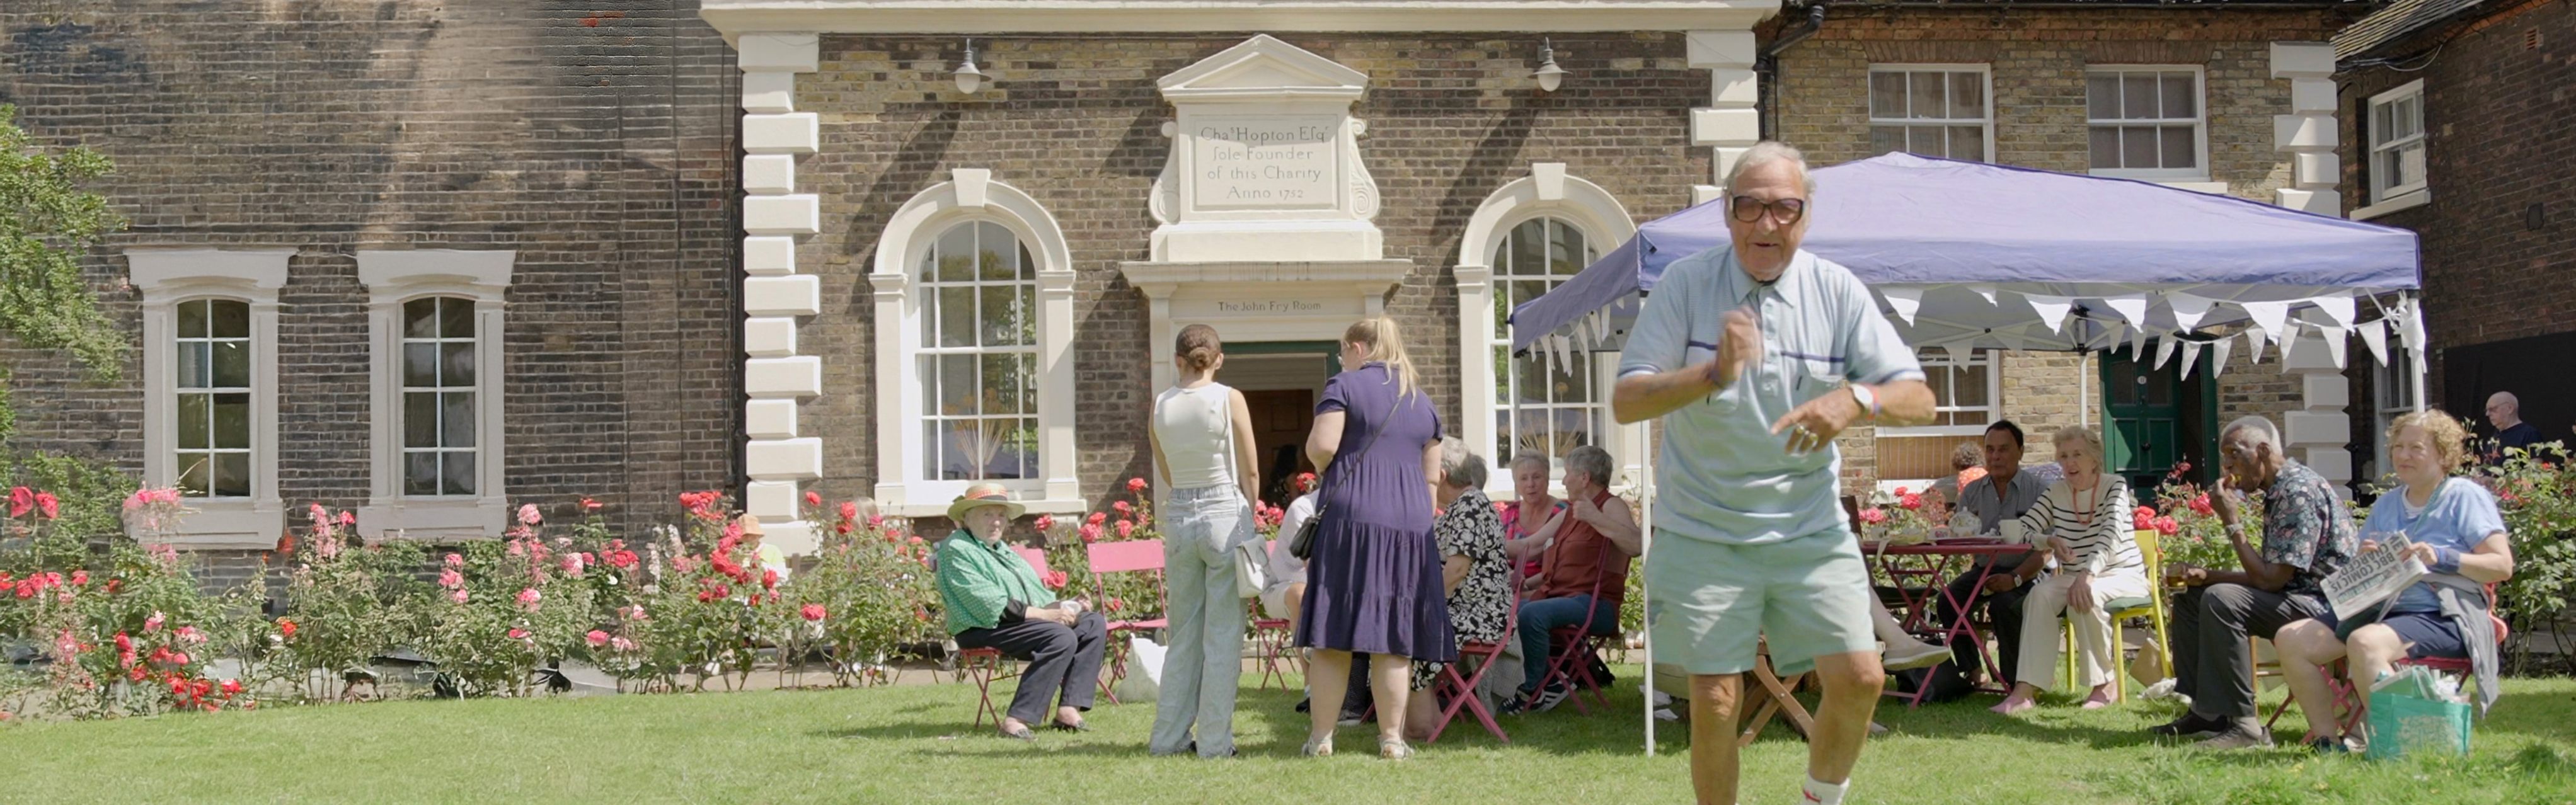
x,y
51,507
285,628
2200,505
769,579
1045,523
1126,529
80,578
1135,484
1121,507
849,510
232,687
1115,605
2166,526
518,633
1055,579
811,612
1873,515
813,498
596,638
1910,501
1900,491
590,505
348,519
1090,533
21,501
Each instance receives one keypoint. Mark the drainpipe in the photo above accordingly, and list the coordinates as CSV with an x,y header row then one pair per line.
x,y
739,438
1766,67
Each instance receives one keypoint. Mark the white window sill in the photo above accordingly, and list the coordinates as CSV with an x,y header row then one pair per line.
x,y
434,520
224,524
2404,201
1931,431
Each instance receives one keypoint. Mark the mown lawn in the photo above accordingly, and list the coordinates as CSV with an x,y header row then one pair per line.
x,y
912,744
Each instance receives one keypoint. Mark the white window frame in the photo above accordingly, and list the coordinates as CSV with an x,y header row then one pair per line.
x,y
394,278
167,276
970,196
2199,124
2381,191
1992,360
2392,390
929,352
1547,192
1985,73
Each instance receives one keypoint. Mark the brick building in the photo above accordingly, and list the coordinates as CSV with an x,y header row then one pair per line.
x,y
421,260
2456,118
2040,86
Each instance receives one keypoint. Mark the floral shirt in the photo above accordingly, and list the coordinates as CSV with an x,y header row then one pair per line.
x,y
2306,527
1482,603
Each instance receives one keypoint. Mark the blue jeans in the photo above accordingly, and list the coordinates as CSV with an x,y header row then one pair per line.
x,y
1205,658
1547,615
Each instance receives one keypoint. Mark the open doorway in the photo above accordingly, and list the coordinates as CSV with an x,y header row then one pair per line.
x,y
1280,381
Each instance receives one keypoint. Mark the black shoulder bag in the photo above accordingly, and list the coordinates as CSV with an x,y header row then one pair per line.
x,y
1302,544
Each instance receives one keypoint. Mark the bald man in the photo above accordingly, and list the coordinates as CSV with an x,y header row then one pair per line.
x,y
2504,411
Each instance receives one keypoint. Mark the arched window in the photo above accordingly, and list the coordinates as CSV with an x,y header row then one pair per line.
x,y
978,362
1542,401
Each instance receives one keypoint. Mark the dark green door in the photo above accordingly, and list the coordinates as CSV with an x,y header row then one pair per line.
x,y
2157,419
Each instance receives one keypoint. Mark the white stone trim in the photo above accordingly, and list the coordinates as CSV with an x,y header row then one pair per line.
x,y
2309,132
166,277
2318,431
909,233
393,278
2405,202
1550,192
1730,124
774,217
735,17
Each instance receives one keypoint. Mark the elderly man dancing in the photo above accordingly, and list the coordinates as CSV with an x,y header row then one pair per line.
x,y
1756,356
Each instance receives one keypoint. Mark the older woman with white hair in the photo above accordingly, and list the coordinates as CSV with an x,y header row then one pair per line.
x,y
2084,519
1474,574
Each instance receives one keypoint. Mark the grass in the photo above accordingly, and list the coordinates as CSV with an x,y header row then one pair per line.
x,y
912,744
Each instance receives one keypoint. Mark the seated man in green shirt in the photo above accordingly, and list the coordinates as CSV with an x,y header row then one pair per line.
x,y
994,600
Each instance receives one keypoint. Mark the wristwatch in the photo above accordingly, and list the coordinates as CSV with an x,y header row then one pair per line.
x,y
1867,398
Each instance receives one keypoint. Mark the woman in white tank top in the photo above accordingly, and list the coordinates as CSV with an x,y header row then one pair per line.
x,y
1202,438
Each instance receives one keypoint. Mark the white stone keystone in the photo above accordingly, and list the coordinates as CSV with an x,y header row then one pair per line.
x,y
769,337
783,378
784,459
797,214
792,295
789,133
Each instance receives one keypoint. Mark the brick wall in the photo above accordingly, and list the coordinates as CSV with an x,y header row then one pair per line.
x,y
2497,238
597,143
1075,122
2037,59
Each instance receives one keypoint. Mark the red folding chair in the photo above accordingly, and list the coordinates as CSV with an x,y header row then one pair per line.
x,y
1270,639
985,666
2355,704
1134,556
1460,691
1572,662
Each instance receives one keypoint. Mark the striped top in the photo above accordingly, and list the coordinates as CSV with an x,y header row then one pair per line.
x,y
2105,545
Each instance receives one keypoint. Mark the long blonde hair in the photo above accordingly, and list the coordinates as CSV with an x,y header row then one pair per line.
x,y
1386,346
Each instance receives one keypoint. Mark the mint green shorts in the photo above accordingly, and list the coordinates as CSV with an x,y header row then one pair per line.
x,y
1708,604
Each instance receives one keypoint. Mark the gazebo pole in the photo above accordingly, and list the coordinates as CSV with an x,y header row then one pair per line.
x,y
1645,597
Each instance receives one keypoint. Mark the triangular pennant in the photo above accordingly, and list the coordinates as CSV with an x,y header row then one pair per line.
x,y
2051,309
2268,317
2218,351
2338,308
2413,327
2190,355
2138,343
2284,343
2254,338
2374,334
2112,336
2187,309
2337,340
1961,351
2132,308
2165,351
1984,290
1903,300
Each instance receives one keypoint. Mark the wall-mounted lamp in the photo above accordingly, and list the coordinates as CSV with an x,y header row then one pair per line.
x,y
968,78
1549,75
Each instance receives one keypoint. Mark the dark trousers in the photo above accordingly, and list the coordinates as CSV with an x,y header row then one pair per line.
x,y
1063,662
2212,663
2002,609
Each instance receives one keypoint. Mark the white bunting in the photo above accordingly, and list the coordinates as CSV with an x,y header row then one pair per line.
x,y
2132,308
2113,335
2338,308
2254,338
2165,351
2187,309
2051,309
1961,351
2374,334
1904,300
2337,340
1984,290
2269,318
2138,343
2218,351
2190,355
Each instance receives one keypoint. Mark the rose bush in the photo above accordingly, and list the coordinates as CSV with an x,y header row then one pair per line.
x,y
2536,489
869,594
344,605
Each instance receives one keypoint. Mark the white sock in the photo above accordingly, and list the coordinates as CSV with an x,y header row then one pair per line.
x,y
1823,793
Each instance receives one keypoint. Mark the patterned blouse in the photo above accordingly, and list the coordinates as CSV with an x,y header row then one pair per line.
x,y
2306,527
1483,600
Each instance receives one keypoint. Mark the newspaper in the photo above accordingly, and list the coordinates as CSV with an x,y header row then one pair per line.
x,y
2372,578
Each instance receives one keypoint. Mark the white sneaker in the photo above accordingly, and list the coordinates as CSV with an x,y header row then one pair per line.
x,y
1900,657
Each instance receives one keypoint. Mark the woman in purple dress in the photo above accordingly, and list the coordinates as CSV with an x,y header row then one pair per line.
x,y
1373,582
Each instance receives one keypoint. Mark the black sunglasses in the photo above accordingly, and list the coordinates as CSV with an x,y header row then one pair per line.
x,y
1749,209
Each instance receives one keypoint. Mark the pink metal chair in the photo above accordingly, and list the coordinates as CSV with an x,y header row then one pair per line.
x,y
1460,691
1572,649
1133,556
1270,638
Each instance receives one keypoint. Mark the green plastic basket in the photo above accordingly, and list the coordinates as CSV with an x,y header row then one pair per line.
x,y
2402,725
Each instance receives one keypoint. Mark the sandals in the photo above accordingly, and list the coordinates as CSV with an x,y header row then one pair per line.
x,y
1317,747
1393,749
1078,726
1022,734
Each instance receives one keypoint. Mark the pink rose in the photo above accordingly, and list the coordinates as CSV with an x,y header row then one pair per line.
x,y
153,623
811,612
621,644
518,633
454,560
457,596
451,579
1873,515
596,638
529,597
528,514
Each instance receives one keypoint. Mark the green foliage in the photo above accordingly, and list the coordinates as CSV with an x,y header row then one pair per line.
x,y
872,593
2537,491
46,223
343,606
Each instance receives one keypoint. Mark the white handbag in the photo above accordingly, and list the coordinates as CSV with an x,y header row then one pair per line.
x,y
1251,563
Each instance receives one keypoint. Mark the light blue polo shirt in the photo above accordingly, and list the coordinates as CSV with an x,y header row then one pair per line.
x,y
1721,475
2459,516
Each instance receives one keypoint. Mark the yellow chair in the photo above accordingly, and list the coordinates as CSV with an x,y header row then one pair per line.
x,y
2150,606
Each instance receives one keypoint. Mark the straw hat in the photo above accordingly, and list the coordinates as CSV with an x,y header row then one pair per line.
x,y
750,525
985,495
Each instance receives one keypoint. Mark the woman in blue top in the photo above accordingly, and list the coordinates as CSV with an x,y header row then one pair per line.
x,y
2452,525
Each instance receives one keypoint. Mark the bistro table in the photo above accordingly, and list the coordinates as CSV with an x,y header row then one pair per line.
x,y
1918,572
